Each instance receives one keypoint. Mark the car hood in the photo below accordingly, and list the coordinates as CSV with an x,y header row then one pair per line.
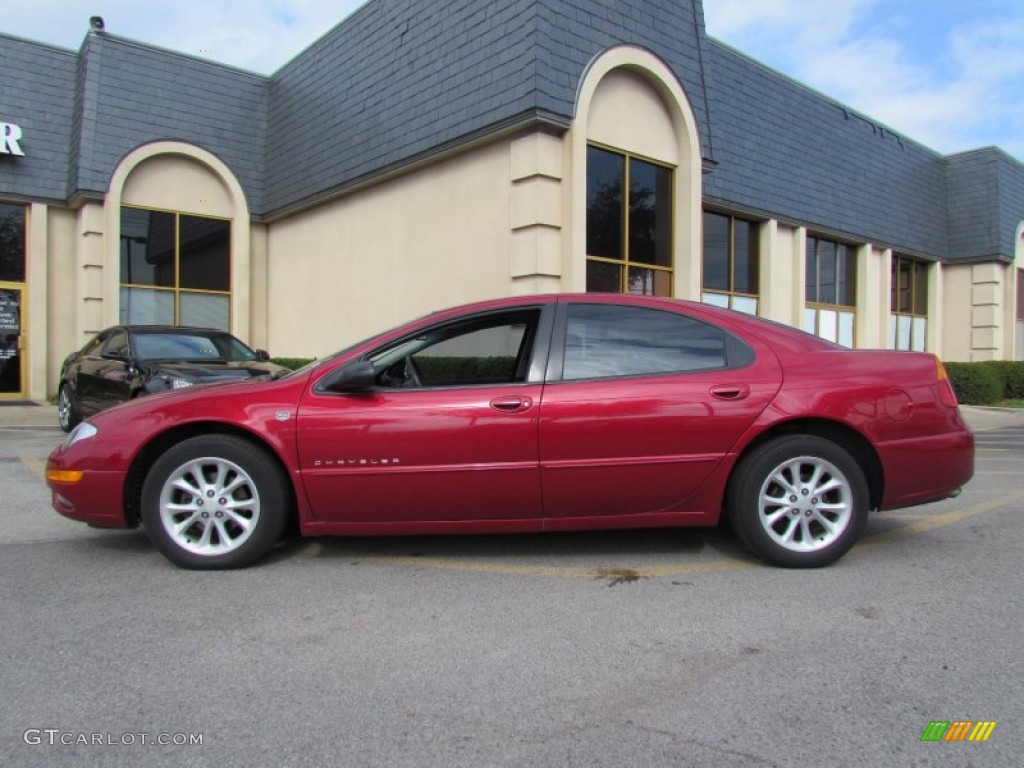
x,y
210,371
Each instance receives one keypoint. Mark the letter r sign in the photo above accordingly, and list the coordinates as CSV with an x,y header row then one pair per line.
x,y
10,135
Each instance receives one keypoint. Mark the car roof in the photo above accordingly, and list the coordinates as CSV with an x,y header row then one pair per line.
x,y
169,329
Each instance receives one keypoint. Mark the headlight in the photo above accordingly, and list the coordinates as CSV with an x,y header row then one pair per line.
x,y
162,382
83,431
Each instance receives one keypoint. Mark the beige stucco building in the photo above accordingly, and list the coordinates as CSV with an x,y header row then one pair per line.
x,y
234,202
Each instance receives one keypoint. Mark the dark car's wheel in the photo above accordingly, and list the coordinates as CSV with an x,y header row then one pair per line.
x,y
798,501
215,501
67,410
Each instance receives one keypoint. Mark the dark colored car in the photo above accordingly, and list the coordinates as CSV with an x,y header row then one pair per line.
x,y
126,361
531,414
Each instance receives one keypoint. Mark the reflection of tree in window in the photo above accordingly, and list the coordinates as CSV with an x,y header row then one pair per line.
x,y
629,248
604,203
12,243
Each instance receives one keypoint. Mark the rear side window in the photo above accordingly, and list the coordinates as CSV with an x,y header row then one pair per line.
x,y
605,341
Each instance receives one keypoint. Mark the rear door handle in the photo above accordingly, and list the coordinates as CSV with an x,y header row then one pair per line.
x,y
730,391
512,404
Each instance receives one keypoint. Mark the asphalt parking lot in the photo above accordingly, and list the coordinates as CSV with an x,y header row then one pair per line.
x,y
648,648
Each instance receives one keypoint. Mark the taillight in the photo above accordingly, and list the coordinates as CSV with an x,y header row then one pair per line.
x,y
946,392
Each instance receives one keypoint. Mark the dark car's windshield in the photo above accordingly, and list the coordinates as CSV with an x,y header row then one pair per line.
x,y
191,346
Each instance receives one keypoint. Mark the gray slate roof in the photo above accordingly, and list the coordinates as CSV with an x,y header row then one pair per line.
x,y
401,80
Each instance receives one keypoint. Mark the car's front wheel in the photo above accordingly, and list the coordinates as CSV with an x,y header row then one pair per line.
x,y
215,501
67,410
798,501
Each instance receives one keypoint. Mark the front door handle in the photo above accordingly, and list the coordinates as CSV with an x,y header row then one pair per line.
x,y
512,404
730,391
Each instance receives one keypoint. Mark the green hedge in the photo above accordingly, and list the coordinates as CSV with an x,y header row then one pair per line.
x,y
1011,373
292,362
986,383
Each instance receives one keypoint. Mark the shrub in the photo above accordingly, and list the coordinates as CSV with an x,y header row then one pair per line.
x,y
292,362
1012,374
976,383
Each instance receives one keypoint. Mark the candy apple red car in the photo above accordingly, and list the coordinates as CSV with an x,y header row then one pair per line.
x,y
544,413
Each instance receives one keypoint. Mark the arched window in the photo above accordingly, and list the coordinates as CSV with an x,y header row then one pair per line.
x,y
629,224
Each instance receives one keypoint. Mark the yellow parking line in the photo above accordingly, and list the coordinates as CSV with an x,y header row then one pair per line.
x,y
35,464
932,522
922,523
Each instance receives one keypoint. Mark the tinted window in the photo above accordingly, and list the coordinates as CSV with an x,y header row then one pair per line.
x,y
605,341
116,343
147,247
93,347
12,243
204,253
604,203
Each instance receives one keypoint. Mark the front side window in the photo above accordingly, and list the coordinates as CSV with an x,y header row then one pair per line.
x,y
493,349
116,344
731,263
831,290
629,236
908,303
606,341
175,269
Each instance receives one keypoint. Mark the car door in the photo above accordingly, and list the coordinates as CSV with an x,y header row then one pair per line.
x,y
102,372
641,406
447,433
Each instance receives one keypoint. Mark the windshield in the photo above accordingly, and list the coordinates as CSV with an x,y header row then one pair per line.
x,y
191,346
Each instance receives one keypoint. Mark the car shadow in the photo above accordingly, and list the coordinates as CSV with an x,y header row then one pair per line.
x,y
569,547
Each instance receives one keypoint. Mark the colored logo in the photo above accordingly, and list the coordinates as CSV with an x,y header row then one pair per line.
x,y
958,730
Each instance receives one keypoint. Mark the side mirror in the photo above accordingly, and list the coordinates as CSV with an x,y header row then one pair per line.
x,y
113,354
262,355
357,376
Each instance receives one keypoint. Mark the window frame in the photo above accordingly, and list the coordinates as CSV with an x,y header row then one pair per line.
x,y
626,264
731,294
838,309
176,290
917,268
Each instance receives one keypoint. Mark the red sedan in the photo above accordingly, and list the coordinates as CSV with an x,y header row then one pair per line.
x,y
544,413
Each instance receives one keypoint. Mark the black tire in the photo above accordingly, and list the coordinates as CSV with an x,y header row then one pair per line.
x,y
68,414
798,501
236,513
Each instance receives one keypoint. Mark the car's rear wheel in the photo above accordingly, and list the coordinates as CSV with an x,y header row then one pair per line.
x,y
67,410
215,501
798,501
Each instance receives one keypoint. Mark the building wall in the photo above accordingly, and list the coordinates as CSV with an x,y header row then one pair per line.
x,y
424,154
397,250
